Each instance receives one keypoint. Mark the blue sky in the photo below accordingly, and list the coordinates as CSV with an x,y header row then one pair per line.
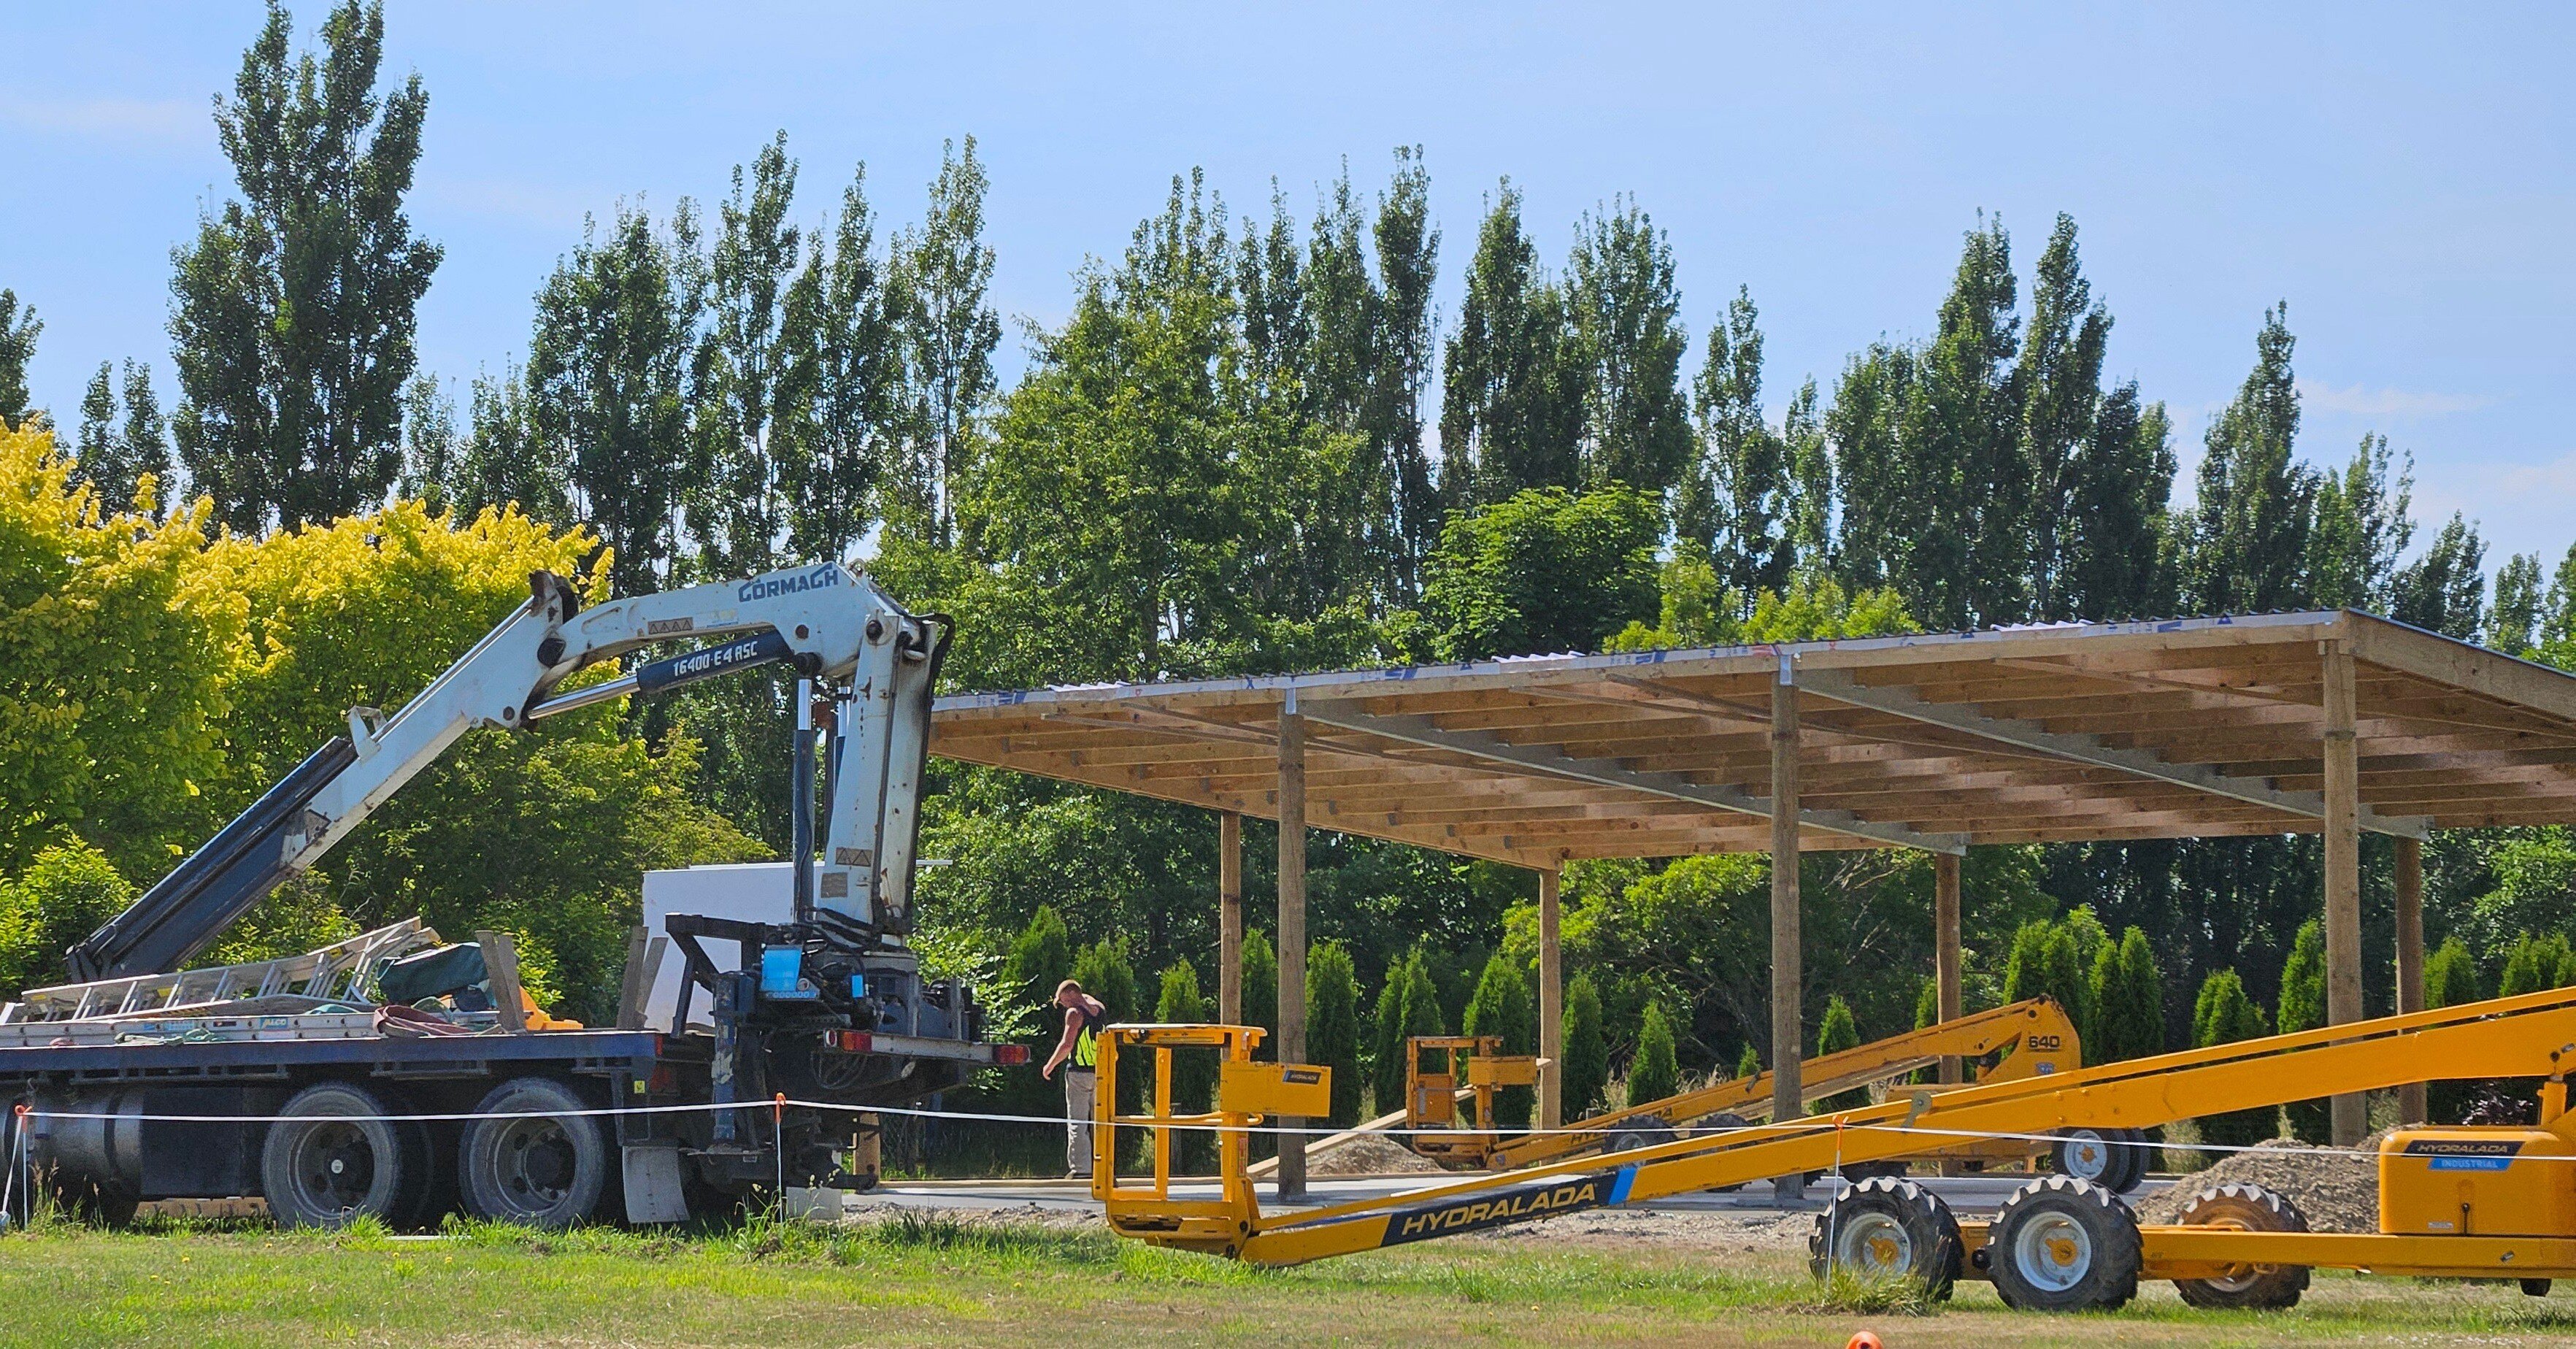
x,y
2401,177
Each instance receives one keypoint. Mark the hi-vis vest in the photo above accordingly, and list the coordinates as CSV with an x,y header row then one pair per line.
x,y
1086,1042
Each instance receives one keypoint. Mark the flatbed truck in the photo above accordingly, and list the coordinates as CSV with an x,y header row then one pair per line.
x,y
296,1081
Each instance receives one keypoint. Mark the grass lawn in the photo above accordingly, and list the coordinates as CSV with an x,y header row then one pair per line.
x,y
932,1282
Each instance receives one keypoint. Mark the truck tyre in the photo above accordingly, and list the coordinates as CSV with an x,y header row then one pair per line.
x,y
2115,1159
2245,1208
547,1168
333,1156
1885,1228
2062,1245
1645,1131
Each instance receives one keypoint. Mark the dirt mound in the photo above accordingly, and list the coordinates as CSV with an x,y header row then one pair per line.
x,y
1366,1155
2337,1190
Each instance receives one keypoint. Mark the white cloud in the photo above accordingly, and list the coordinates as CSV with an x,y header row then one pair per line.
x,y
2519,507
2365,402
177,121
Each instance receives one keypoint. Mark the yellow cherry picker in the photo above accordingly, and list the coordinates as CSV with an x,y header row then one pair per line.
x,y
2484,1202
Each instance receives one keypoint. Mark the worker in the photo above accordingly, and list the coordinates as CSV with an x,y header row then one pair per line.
x,y
1083,1015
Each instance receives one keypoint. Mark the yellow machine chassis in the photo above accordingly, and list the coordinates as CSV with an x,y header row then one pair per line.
x,y
2030,1038
2527,1036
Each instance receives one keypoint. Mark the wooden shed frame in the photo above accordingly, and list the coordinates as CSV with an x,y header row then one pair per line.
x,y
2330,722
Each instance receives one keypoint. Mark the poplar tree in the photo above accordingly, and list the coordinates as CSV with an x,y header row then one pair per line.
x,y
608,386
2360,528
1408,264
839,397
2513,626
2059,381
944,274
18,329
292,313
735,510
1511,414
1756,500
2119,560
2249,530
1625,314
113,454
2444,590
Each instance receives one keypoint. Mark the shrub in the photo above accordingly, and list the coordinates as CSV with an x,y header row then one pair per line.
x,y
2303,1007
1585,1053
1652,1073
2223,1014
1840,1032
1333,1027
1501,1007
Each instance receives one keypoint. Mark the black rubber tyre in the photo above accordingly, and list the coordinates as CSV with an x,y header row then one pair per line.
x,y
1723,1122
2246,1208
2115,1159
1645,1131
1888,1228
348,1161
547,1169
2064,1245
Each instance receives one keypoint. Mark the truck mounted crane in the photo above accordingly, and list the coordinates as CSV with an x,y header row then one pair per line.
x,y
822,999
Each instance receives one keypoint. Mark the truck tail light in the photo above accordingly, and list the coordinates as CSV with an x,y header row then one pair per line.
x,y
1010,1056
852,1041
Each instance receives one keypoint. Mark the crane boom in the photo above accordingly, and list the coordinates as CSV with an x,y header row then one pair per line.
x,y
834,625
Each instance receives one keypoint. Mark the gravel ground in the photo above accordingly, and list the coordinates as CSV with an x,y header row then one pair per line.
x,y
2337,1191
1619,1227
1368,1155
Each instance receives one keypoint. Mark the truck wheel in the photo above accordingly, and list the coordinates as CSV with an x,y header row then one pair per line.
x,y
546,1168
2115,1159
1885,1228
1645,1131
334,1156
2245,1208
2062,1245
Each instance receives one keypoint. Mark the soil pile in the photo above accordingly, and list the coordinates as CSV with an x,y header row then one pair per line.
x,y
2336,1190
1367,1155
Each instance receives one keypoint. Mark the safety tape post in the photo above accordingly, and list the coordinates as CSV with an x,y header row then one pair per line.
x,y
778,1145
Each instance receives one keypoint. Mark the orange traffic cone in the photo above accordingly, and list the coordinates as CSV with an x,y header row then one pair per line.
x,y
1864,1339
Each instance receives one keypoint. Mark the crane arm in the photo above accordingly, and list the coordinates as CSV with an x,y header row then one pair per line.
x,y
835,625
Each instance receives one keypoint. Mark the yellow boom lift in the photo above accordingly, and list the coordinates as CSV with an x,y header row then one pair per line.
x,y
2485,1202
2030,1038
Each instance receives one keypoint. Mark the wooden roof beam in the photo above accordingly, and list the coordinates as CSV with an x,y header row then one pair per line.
x,y
1423,731
1900,701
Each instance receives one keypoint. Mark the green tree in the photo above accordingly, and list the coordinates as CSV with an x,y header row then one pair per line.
x,y
1194,1072
2444,590
1652,1072
2450,979
18,329
1756,502
2303,1007
1333,1027
1749,1062
2249,534
2514,626
1625,313
114,455
2222,1014
608,386
292,313
735,506
1261,989
65,894
1408,263
2533,966
2046,961
943,276
2557,635
1512,411
1407,1006
1104,973
1585,1053
2059,382
840,397
2360,529
1838,1033
1501,1006
2120,563
1543,571
1041,957
2131,1020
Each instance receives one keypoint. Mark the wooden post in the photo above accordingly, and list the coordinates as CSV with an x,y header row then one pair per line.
x,y
2411,1108
1292,931
1945,947
1229,918
1788,1035
1551,1009
501,976
2343,872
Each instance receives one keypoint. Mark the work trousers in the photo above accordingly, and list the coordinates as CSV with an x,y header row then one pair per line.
x,y
1078,1089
